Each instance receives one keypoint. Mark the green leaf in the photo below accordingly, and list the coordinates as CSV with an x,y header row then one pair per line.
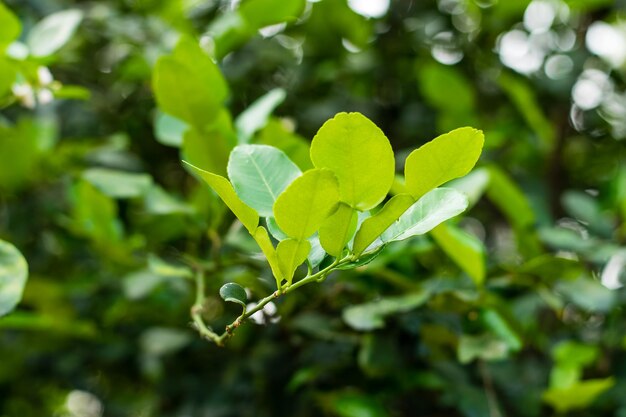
x,y
378,223
256,116
578,396
486,347
279,135
234,293
13,275
464,249
169,130
261,13
432,209
338,229
588,294
54,31
359,154
246,215
10,26
291,254
574,353
440,82
370,316
209,148
7,76
118,184
259,174
302,208
473,185
501,328
523,97
95,214
188,85
264,242
444,158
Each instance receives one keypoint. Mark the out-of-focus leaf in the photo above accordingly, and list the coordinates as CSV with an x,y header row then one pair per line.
x,y
188,85
357,405
234,293
433,208
54,31
444,158
586,209
371,315
577,396
160,267
464,249
160,202
505,194
527,104
588,294
575,354
486,347
95,214
256,116
159,341
501,328
169,130
13,276
209,148
7,75
359,154
235,27
118,184
276,134
259,174
473,185
440,82
10,26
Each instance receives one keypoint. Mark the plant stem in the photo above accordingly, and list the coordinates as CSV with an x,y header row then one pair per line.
x,y
206,332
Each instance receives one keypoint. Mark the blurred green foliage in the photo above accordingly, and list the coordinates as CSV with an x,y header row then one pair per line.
x,y
514,309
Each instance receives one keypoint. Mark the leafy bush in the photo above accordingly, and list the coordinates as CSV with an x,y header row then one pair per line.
x,y
158,185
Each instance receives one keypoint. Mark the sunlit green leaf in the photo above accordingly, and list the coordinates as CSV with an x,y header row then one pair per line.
x,y
444,158
302,208
374,226
263,240
13,275
259,174
359,154
291,253
338,229
53,32
433,208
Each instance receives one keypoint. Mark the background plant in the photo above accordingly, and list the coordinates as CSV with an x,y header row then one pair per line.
x,y
512,309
